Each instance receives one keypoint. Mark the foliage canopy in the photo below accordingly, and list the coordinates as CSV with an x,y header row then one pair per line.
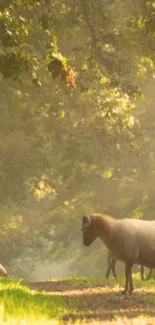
x,y
67,151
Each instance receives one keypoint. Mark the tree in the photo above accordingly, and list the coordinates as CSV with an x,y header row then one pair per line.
x,y
21,22
66,152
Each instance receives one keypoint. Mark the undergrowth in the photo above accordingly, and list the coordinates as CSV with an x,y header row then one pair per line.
x,y
21,305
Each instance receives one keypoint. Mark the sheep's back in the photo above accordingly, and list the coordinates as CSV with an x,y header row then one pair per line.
x,y
134,239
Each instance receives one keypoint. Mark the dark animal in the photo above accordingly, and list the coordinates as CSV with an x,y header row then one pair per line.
x,y
129,240
112,265
3,272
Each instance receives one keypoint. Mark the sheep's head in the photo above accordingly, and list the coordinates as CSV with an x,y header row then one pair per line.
x,y
3,272
88,229
4,275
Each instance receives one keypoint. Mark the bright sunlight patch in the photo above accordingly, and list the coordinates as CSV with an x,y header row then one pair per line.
x,y
23,306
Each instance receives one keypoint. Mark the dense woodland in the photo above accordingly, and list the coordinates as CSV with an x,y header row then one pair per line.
x,y
77,126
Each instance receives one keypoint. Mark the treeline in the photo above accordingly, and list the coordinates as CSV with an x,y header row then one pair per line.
x,y
72,139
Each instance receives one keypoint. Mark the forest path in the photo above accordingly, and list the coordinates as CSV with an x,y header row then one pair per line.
x,y
102,304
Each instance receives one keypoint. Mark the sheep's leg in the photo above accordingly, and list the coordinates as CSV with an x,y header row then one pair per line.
x,y
131,283
109,267
149,275
128,275
142,272
113,268
108,271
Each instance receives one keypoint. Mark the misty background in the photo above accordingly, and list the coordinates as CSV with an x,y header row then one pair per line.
x,y
73,144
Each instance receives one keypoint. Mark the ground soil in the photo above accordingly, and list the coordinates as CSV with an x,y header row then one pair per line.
x,y
97,304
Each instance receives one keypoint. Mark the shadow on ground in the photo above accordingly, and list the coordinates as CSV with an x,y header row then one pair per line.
x,y
99,302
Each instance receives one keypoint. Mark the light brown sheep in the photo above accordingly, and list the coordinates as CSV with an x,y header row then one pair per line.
x,y
129,240
112,265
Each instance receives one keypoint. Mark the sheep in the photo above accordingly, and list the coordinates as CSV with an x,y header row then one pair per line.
x,y
112,264
3,272
131,241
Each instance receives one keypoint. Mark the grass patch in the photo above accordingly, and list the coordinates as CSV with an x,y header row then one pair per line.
x,y
111,282
77,281
21,305
138,283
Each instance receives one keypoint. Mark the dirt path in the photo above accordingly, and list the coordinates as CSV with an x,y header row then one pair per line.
x,y
102,304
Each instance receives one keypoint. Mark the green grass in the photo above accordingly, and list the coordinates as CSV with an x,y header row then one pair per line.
x,y
77,281
138,283
21,305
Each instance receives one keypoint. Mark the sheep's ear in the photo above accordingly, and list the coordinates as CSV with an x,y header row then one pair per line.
x,y
86,221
